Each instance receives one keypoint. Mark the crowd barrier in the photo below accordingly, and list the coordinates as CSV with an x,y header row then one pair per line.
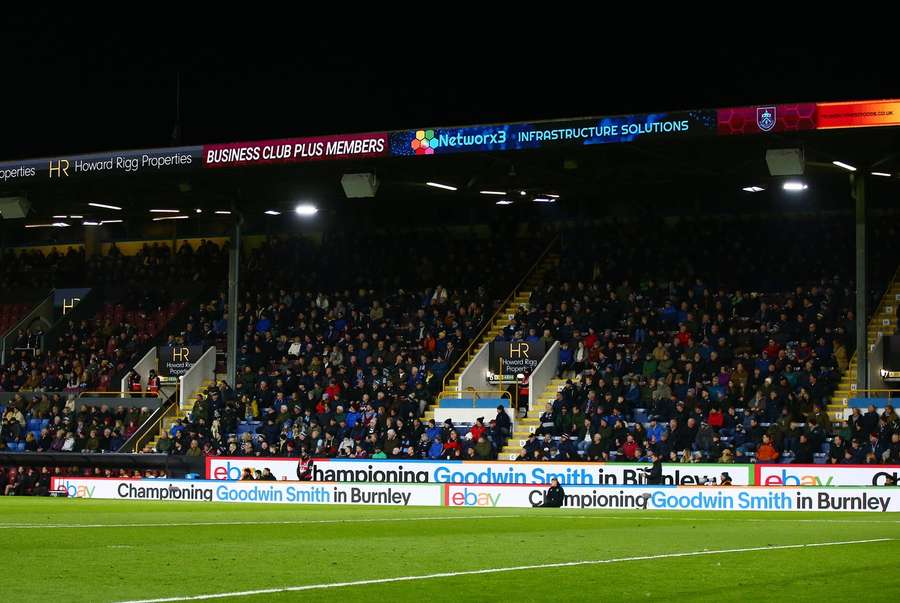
x,y
573,474
671,498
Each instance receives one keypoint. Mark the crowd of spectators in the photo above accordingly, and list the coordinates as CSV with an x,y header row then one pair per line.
x,y
698,362
52,423
348,369
92,354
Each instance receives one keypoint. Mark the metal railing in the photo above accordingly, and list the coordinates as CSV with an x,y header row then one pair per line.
x,y
151,427
489,323
865,393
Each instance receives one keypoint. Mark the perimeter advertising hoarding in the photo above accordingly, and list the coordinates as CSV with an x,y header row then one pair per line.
x,y
403,495
295,150
541,135
705,498
496,472
825,475
114,163
758,119
858,114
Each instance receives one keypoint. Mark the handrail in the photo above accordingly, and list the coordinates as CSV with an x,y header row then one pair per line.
x,y
118,394
473,394
146,431
868,391
487,325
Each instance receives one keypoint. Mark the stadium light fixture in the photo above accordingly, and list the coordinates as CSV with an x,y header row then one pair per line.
x,y
446,187
272,212
90,223
522,193
170,218
102,222
794,186
38,225
60,217
492,192
552,196
544,200
306,209
846,166
60,224
164,211
198,211
223,212
105,206
882,174
753,189
504,202
75,218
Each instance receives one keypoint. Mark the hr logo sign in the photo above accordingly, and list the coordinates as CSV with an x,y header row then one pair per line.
x,y
519,350
180,354
61,168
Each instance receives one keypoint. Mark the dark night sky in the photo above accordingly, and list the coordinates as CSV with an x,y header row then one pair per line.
x,y
73,85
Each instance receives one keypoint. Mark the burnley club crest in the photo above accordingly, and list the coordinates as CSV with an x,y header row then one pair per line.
x,y
765,118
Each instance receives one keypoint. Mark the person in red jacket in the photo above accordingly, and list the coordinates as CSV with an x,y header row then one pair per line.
x,y
715,418
153,382
478,429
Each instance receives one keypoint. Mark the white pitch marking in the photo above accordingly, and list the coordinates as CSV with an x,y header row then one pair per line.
x,y
497,570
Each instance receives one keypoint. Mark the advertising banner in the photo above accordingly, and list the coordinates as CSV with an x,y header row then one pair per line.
x,y
858,114
881,500
825,475
515,357
401,495
175,361
546,134
295,150
477,472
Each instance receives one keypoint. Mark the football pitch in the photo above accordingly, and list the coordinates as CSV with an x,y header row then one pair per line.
x,y
92,550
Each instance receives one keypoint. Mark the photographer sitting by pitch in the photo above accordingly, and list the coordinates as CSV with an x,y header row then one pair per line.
x,y
554,495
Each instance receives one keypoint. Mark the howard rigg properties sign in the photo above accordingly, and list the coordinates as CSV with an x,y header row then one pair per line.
x,y
514,357
295,150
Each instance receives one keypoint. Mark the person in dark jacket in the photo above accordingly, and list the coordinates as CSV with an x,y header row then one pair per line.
x,y
654,478
554,496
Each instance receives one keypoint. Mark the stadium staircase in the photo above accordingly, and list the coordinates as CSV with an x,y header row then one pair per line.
x,y
524,427
167,420
520,296
883,322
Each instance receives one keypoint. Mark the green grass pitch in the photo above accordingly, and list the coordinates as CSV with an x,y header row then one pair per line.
x,y
92,550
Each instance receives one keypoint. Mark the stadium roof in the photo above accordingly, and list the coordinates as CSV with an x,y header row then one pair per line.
x,y
682,156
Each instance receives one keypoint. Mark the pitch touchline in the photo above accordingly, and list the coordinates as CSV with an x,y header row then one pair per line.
x,y
631,516
243,523
497,570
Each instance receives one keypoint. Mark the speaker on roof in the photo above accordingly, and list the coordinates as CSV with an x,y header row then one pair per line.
x,y
785,162
14,207
357,186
